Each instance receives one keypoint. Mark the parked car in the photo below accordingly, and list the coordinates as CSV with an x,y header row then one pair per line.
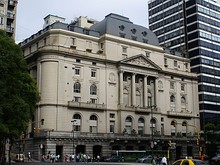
x,y
145,159
190,162
115,159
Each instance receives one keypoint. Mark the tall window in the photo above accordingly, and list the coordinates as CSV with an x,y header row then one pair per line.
x,y
141,126
77,87
171,85
182,87
93,89
153,125
93,73
77,123
172,99
77,71
93,127
128,125
112,126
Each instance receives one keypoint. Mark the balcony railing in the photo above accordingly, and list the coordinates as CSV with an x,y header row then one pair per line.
x,y
10,15
10,29
87,105
180,114
13,2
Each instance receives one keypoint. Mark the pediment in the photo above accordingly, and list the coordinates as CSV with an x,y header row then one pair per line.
x,y
141,61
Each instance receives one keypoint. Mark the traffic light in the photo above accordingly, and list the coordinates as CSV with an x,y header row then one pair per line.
x,y
169,143
42,121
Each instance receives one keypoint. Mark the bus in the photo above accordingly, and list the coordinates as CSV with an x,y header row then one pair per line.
x,y
133,155
129,155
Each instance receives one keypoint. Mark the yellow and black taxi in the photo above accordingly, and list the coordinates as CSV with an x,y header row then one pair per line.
x,y
190,162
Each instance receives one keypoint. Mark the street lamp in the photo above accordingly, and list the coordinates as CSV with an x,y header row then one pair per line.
x,y
73,121
151,123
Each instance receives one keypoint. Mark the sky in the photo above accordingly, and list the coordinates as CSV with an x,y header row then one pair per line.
x,y
31,13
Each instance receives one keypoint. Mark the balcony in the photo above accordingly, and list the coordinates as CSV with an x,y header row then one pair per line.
x,y
12,2
10,15
184,114
10,29
88,105
137,109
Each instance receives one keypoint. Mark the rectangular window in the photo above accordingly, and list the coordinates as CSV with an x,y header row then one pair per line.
x,y
175,63
171,85
93,101
182,87
165,62
93,129
77,71
93,73
112,115
45,41
124,49
78,60
147,54
77,99
112,126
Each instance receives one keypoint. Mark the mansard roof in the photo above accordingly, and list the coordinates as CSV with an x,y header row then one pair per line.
x,y
118,25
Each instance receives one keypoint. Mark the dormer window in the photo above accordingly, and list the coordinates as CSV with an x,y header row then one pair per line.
x,y
133,31
144,33
122,27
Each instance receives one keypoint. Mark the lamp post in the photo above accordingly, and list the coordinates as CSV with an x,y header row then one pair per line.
x,y
152,133
73,121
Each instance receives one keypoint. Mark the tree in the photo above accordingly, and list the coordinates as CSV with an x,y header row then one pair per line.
x,y
212,135
18,90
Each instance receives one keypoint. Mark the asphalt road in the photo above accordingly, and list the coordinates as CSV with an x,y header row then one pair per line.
x,y
90,163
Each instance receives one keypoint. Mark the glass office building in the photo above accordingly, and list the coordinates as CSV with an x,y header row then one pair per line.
x,y
192,27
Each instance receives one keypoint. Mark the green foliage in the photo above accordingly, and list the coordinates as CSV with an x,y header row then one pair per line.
x,y
18,90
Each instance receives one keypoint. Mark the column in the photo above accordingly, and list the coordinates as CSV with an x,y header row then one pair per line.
x,y
156,90
133,90
121,87
145,92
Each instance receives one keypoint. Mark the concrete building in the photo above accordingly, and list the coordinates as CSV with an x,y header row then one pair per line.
x,y
8,16
109,87
192,27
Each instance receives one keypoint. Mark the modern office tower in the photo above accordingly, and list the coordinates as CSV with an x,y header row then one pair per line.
x,y
104,89
8,16
193,27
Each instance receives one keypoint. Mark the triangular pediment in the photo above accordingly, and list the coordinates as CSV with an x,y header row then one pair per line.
x,y
141,61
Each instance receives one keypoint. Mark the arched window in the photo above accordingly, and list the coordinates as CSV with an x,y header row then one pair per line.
x,y
153,125
140,126
93,89
93,124
77,122
183,100
128,125
172,99
77,87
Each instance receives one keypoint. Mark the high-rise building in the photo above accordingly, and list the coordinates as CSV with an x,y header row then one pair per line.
x,y
104,88
193,27
8,16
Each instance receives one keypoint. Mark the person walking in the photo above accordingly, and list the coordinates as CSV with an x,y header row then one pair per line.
x,y
164,160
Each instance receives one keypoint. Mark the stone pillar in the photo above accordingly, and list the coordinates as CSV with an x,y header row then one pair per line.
x,y
156,90
133,89
121,87
145,91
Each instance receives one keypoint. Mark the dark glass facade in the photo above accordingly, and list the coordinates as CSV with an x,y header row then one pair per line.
x,y
197,32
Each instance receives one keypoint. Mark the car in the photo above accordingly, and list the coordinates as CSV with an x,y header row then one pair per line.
x,y
115,159
145,159
215,160
189,162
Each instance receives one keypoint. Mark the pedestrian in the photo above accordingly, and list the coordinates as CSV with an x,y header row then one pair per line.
x,y
158,160
153,162
164,160
29,156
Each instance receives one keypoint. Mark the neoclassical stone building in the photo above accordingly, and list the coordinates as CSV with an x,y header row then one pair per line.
x,y
114,85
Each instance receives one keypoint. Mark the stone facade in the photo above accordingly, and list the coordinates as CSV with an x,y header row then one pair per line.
x,y
116,93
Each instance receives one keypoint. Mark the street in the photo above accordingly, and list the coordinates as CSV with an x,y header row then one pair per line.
x,y
91,163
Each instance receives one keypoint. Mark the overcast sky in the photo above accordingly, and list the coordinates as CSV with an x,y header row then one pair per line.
x,y
31,13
